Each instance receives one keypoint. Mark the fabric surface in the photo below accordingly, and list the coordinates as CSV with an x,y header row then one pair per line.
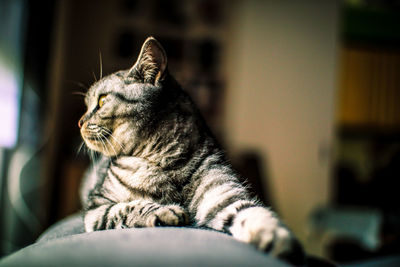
x,y
65,244
69,226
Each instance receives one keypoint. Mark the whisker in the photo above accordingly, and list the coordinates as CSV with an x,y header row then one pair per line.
x,y
117,142
87,151
91,155
80,148
106,130
101,138
94,76
102,143
82,85
101,64
112,147
79,93
115,139
108,141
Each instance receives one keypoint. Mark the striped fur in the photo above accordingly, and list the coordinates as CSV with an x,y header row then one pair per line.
x,y
160,164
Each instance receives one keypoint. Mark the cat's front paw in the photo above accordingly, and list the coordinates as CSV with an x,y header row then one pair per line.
x,y
170,215
259,226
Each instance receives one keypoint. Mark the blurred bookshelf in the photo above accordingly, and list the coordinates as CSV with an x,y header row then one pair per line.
x,y
369,78
367,145
369,90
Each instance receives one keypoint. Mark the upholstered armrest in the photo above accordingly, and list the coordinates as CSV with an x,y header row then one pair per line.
x,y
65,244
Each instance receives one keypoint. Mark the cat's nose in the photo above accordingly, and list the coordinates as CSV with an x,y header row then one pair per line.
x,y
80,122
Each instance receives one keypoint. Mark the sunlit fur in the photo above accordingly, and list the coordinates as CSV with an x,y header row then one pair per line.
x,y
161,165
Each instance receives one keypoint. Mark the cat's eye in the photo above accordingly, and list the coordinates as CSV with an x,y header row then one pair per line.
x,y
101,100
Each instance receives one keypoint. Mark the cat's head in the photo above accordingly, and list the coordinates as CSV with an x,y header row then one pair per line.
x,y
123,106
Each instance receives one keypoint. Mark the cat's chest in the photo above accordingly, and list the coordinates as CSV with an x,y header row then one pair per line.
x,y
129,178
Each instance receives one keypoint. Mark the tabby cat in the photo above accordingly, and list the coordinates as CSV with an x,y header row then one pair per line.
x,y
161,166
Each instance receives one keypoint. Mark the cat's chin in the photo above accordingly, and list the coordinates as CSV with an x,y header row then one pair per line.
x,y
99,148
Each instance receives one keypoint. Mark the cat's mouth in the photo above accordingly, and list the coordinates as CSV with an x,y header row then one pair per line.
x,y
95,133
94,137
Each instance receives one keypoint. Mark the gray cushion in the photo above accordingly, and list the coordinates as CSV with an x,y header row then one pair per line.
x,y
65,244
69,226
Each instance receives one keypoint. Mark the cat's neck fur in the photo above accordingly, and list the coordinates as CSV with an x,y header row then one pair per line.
x,y
179,136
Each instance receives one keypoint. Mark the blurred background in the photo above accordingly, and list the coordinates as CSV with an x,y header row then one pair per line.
x,y
303,95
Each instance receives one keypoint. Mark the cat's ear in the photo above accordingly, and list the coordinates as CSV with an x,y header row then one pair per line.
x,y
151,64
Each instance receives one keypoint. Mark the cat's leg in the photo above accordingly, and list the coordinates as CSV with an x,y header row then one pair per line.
x,y
137,213
221,203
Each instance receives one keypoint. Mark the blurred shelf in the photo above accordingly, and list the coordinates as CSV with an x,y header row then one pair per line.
x,y
368,132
